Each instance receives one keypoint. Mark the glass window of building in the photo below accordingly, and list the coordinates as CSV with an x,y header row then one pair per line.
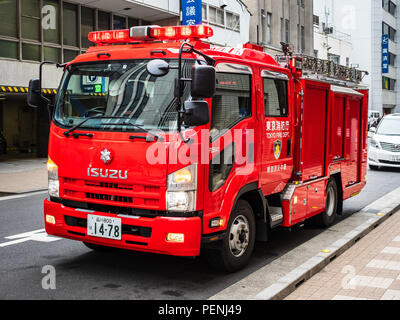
x,y
8,49
119,22
30,19
87,25
133,22
52,54
104,20
30,52
70,24
220,17
212,14
50,21
70,55
8,18
204,11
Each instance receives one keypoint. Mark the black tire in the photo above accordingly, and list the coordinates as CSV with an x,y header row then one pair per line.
x,y
96,247
374,168
327,218
230,255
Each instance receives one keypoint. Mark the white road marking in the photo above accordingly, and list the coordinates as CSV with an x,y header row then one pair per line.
x,y
338,297
384,264
397,239
391,295
371,282
36,235
18,196
391,250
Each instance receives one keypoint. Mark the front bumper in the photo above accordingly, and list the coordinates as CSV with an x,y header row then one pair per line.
x,y
382,158
149,233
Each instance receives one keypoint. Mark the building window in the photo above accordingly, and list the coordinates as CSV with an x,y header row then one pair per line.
x,y
316,53
52,54
269,19
104,21
8,49
303,39
347,62
204,12
30,19
316,20
70,55
133,22
392,59
389,6
334,58
388,84
287,31
8,18
70,23
87,25
386,29
30,52
119,22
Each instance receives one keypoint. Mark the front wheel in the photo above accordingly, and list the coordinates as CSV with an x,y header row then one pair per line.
x,y
237,246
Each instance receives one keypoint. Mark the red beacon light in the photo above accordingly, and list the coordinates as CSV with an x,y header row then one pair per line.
x,y
151,33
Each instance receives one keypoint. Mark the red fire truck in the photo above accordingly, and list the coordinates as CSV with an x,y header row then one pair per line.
x,y
160,143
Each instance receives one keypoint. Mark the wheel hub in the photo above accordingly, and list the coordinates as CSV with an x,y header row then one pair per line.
x,y
239,236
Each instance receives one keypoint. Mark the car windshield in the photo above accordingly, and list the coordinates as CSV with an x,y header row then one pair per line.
x,y
389,127
123,95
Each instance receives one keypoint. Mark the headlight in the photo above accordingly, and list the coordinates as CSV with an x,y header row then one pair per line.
x,y
181,190
54,184
375,144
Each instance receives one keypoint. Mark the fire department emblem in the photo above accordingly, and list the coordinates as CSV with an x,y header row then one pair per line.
x,y
106,156
277,149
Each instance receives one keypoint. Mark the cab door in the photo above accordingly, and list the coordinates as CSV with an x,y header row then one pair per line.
x,y
277,132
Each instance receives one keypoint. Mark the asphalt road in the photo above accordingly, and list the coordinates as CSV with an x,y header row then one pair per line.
x,y
83,274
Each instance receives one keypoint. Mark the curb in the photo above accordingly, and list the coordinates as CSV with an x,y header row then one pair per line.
x,y
304,272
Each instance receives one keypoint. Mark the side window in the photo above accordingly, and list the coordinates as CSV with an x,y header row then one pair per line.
x,y
232,101
275,98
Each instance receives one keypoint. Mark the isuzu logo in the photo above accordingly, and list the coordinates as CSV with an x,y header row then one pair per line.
x,y
107,173
106,156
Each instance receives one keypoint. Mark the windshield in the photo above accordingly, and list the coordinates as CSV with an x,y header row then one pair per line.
x,y
122,94
389,127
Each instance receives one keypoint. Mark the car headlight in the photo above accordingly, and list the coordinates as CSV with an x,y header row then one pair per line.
x,y
54,184
375,144
181,190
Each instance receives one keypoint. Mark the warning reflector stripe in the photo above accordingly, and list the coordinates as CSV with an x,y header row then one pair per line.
x,y
9,89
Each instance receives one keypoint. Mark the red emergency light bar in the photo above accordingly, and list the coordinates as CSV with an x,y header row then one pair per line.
x,y
151,33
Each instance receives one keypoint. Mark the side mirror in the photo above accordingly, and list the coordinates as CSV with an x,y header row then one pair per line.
x,y
203,81
157,68
196,113
34,97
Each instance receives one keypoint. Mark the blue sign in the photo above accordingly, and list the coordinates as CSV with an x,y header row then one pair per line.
x,y
191,12
385,53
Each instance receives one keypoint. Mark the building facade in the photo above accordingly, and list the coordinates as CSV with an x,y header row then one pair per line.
x,y
276,21
32,31
367,21
329,42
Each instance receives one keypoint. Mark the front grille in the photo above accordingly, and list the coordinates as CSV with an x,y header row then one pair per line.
x,y
391,147
114,193
108,197
144,232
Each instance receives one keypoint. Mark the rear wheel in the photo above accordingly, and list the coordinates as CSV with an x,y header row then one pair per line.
x,y
237,246
327,218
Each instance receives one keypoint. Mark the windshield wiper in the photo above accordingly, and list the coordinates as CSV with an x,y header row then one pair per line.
x,y
68,132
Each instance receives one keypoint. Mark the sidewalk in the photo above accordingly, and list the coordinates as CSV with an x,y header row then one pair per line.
x,y
22,175
370,270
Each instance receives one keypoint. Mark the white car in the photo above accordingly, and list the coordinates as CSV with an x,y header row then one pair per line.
x,y
384,148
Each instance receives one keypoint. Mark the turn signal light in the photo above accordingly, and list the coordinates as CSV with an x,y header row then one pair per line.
x,y
175,237
50,219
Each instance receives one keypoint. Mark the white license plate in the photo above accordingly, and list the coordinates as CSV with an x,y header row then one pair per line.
x,y
395,158
104,227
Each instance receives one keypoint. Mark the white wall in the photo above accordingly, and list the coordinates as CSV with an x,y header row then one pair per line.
x,y
16,73
339,47
226,37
